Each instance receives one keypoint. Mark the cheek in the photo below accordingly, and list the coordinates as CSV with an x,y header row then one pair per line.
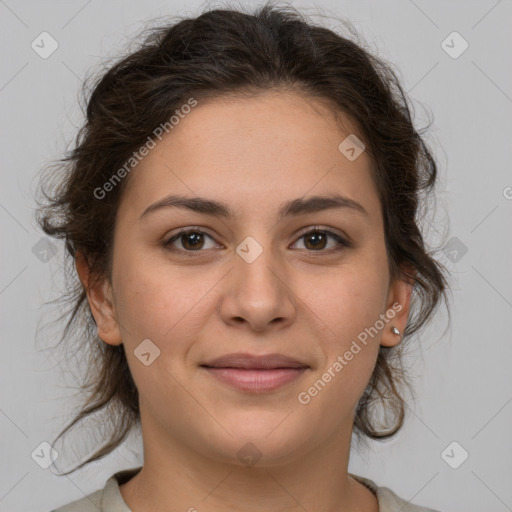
x,y
166,304
347,304
350,308
346,301
170,316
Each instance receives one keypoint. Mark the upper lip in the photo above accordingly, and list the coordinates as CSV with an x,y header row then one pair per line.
x,y
255,362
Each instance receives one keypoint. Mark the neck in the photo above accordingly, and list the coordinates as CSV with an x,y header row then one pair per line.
x,y
177,476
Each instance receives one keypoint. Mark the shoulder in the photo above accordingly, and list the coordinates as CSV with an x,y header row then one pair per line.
x,y
108,499
395,503
91,503
388,500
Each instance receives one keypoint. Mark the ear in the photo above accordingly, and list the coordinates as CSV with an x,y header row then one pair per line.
x,y
99,295
398,302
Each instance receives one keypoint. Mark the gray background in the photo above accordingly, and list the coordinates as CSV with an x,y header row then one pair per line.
x,y
462,375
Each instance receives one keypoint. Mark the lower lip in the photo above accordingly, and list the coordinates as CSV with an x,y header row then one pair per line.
x,y
257,381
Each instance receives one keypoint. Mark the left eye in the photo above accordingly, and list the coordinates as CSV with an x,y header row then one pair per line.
x,y
316,240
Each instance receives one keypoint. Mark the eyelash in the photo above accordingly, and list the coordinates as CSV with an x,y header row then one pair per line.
x,y
343,243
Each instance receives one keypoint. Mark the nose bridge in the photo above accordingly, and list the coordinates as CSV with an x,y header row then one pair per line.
x,y
258,292
257,269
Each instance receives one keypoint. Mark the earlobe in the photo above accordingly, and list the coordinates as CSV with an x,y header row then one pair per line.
x,y
399,300
99,296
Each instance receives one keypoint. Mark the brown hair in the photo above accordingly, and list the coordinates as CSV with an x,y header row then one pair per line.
x,y
218,53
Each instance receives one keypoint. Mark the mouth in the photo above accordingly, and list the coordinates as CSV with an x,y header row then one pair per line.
x,y
256,374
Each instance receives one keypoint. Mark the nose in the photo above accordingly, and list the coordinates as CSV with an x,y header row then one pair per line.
x,y
259,294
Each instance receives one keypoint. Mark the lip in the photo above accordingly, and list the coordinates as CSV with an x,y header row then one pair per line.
x,y
256,381
255,362
253,373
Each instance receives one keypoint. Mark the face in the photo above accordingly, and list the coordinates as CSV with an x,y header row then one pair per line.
x,y
251,282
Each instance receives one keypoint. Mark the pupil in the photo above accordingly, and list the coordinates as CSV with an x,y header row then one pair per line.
x,y
319,237
192,236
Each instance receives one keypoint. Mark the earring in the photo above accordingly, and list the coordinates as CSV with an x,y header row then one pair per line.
x,y
395,330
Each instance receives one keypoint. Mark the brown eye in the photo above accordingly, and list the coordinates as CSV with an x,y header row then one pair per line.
x,y
317,240
194,241
190,241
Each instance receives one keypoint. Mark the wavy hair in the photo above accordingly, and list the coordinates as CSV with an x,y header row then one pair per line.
x,y
226,52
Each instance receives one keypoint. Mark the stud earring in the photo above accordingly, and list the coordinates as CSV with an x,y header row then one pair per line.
x,y
395,330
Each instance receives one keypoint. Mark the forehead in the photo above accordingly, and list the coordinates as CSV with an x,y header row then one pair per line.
x,y
251,151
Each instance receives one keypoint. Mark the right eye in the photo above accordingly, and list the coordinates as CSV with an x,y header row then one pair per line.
x,y
191,240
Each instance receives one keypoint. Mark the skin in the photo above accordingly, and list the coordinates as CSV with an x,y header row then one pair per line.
x,y
253,154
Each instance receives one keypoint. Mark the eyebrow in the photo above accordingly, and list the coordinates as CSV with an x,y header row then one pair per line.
x,y
295,207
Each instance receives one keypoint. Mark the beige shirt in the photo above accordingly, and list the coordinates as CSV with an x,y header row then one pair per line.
x,y
109,499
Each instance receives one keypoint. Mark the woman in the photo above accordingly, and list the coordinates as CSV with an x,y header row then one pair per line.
x,y
241,211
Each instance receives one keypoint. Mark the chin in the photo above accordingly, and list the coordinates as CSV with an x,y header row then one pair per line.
x,y
261,439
